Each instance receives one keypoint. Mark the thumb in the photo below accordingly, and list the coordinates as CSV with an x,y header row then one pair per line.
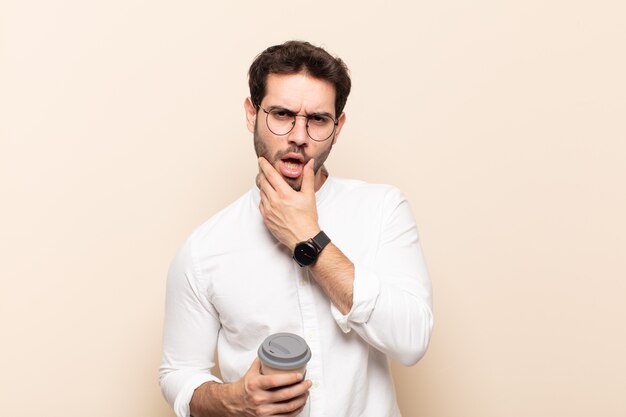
x,y
308,180
255,368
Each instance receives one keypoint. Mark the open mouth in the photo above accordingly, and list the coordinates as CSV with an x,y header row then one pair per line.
x,y
291,168
291,165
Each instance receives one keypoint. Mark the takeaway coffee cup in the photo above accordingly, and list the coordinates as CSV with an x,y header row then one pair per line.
x,y
284,352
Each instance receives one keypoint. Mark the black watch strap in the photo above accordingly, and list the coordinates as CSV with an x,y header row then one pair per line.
x,y
321,240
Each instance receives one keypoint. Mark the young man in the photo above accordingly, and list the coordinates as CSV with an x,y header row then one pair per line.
x,y
335,261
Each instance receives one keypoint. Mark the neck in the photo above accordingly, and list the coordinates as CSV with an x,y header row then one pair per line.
x,y
320,177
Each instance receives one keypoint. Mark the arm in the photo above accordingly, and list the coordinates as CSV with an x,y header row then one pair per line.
x,y
335,275
291,216
190,333
392,302
253,395
388,301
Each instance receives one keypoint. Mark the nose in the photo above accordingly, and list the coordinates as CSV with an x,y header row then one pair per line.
x,y
298,134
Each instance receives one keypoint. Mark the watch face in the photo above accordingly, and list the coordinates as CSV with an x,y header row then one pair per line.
x,y
305,253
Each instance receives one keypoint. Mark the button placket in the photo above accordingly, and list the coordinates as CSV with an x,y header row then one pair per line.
x,y
311,335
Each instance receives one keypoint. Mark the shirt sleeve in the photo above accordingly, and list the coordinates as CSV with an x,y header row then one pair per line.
x,y
392,294
189,335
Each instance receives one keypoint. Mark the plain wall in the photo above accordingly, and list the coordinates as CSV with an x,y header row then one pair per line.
x,y
122,129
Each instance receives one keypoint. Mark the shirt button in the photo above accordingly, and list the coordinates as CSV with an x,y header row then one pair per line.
x,y
316,384
303,282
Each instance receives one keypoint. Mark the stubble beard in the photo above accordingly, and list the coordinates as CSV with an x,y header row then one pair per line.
x,y
296,183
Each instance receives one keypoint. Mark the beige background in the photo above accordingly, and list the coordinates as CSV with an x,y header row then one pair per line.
x,y
122,128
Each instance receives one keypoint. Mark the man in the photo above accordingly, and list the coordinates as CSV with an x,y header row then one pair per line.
x,y
335,261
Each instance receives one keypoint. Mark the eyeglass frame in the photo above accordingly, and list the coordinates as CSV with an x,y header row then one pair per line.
x,y
294,115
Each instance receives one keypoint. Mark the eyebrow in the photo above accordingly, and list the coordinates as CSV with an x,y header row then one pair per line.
x,y
318,113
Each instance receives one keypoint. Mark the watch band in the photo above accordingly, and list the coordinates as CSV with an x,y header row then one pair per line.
x,y
321,240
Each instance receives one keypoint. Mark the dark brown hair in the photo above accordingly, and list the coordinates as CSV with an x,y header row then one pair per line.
x,y
293,57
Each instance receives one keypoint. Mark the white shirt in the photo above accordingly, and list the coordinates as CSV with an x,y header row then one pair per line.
x,y
232,284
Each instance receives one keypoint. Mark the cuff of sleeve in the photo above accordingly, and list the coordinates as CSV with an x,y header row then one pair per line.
x,y
181,405
366,288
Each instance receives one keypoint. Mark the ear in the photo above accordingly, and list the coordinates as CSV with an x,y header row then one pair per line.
x,y
251,113
341,121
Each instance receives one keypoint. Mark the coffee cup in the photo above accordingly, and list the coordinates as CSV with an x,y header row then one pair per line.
x,y
284,352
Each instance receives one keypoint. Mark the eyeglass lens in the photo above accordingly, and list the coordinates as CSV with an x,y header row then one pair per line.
x,y
319,127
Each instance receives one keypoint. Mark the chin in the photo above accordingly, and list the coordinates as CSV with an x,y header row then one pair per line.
x,y
295,183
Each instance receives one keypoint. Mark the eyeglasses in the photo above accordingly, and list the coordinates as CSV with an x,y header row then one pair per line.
x,y
319,127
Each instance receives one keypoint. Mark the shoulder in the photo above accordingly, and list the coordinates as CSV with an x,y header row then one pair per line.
x,y
363,191
221,229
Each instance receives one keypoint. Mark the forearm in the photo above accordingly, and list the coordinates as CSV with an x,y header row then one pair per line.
x,y
213,399
334,273
390,307
392,314
254,394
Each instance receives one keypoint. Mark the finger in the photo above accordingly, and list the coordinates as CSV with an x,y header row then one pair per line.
x,y
273,177
308,177
266,213
264,197
280,380
266,205
289,408
290,392
265,186
262,208
255,367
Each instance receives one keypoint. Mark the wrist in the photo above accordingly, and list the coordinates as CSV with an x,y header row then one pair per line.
x,y
214,398
230,397
306,252
305,235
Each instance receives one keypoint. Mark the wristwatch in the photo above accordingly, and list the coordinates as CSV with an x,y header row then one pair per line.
x,y
307,252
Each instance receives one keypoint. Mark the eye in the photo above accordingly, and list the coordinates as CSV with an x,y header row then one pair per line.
x,y
281,114
319,119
